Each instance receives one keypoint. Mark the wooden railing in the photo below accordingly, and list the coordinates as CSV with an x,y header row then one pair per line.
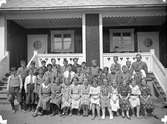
x,y
38,57
159,72
60,57
34,58
4,65
123,57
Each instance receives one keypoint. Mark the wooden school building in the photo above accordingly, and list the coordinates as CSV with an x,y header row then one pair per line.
x,y
36,30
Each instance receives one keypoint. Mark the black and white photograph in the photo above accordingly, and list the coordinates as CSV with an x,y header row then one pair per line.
x,y
83,62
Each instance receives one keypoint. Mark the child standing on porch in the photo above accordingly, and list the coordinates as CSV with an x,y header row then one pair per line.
x,y
33,67
117,66
43,63
49,73
29,89
128,65
14,87
80,75
100,77
84,69
95,97
125,76
94,69
106,74
75,65
112,75
65,66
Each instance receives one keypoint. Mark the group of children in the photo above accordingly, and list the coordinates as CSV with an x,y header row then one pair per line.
x,y
70,89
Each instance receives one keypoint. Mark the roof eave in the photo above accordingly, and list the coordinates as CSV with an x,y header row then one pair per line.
x,y
81,7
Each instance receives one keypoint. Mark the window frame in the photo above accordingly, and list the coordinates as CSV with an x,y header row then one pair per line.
x,y
131,47
62,32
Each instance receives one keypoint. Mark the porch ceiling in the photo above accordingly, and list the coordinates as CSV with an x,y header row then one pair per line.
x,y
50,23
134,21
77,22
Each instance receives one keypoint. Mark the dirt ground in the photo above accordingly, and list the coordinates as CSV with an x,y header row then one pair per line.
x,y
26,118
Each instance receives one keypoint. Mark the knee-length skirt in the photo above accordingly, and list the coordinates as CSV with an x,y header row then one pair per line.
x,y
134,101
114,102
44,102
105,102
124,104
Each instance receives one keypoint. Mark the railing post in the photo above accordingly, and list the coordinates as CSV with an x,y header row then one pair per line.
x,y
35,52
152,51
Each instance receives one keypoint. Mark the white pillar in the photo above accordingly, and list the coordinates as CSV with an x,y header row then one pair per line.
x,y
2,36
101,39
84,36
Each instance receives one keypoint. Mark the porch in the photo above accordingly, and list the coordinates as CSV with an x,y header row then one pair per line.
x,y
75,33
86,35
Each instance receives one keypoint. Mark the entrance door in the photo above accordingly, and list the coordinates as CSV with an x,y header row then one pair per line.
x,y
36,42
147,41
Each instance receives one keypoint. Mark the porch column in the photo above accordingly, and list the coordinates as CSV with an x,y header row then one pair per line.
x,y
2,35
84,36
92,38
101,39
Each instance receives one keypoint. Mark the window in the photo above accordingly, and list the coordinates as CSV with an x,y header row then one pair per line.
x,y
62,41
121,40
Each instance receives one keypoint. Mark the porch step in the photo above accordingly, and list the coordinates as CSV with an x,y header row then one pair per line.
x,y
157,89
3,91
4,101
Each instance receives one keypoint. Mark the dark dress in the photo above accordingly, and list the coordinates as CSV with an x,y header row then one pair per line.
x,y
124,91
45,96
56,94
146,101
